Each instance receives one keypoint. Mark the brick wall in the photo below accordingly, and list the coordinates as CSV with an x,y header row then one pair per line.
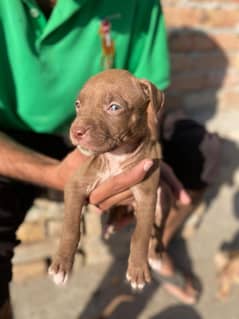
x,y
204,46
39,235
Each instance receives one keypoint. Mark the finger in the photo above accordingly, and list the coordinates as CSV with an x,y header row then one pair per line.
x,y
170,178
75,158
123,198
121,182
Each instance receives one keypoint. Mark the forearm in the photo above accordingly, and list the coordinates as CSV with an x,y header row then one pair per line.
x,y
19,162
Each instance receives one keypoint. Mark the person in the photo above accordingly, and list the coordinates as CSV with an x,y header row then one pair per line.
x,y
49,48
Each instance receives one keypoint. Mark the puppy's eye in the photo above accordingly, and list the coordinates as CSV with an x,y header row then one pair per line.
x,y
115,107
77,104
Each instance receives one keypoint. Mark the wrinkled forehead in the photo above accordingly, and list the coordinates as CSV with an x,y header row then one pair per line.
x,y
117,86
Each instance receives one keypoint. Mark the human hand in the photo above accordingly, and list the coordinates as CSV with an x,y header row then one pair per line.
x,y
168,185
113,190
123,196
116,189
67,167
170,179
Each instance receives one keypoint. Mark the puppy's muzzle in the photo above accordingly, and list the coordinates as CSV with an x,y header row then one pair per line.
x,y
78,133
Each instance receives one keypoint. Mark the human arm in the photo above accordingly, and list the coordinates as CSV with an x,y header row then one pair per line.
x,y
22,163
19,162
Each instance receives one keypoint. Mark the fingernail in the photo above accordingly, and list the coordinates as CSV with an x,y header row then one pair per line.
x,y
98,210
185,198
147,165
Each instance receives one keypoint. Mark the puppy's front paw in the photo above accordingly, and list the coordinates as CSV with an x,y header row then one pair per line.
x,y
60,269
138,275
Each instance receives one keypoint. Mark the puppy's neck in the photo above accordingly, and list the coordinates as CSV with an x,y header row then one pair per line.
x,y
126,151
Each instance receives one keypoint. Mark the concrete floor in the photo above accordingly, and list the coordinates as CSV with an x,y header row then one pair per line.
x,y
95,285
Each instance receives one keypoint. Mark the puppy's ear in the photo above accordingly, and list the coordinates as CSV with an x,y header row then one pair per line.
x,y
156,101
155,96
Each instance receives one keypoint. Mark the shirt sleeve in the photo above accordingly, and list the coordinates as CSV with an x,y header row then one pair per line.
x,y
149,57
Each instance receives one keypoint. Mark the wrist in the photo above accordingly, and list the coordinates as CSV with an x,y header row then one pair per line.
x,y
54,178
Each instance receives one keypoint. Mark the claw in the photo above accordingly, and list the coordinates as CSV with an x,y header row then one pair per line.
x,y
59,278
134,285
50,271
128,277
141,286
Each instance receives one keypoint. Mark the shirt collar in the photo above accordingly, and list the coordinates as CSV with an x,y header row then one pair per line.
x,y
61,13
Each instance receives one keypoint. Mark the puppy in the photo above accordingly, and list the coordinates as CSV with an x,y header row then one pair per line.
x,y
115,126
227,264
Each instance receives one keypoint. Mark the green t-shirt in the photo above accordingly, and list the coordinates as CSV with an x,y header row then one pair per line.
x,y
44,63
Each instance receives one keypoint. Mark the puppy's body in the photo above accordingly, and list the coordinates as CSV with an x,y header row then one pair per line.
x,y
112,126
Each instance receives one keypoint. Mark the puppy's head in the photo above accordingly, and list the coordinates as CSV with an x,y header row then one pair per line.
x,y
112,111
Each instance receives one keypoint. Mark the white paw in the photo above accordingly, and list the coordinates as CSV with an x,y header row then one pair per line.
x,y
128,277
133,284
141,286
59,278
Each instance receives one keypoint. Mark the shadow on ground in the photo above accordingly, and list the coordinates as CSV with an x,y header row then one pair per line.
x,y
176,312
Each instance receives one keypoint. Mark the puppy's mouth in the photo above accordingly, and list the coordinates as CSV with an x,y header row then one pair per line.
x,y
92,146
98,143
90,151
85,151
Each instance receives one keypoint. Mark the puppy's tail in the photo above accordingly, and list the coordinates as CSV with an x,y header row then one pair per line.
x,y
111,307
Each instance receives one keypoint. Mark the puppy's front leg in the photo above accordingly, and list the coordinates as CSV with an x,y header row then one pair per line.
x,y
145,194
61,266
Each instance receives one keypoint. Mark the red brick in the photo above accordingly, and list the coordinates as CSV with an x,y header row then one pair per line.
x,y
231,79
197,17
197,81
26,271
172,101
227,41
225,3
178,16
201,99
196,62
54,228
234,61
219,99
209,1
229,99
31,232
186,40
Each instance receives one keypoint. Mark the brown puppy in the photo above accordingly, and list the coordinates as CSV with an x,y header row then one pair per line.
x,y
112,127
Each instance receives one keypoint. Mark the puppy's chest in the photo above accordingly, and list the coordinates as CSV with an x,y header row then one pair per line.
x,y
111,165
114,165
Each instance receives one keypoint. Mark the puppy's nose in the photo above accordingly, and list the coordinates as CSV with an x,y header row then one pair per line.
x,y
80,132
